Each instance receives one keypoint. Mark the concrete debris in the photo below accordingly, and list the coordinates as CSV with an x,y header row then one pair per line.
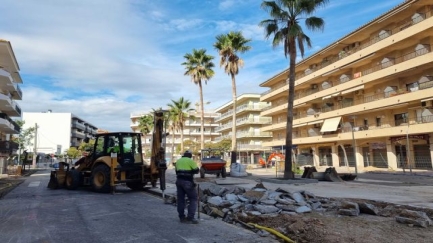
x,y
368,208
303,209
349,209
415,218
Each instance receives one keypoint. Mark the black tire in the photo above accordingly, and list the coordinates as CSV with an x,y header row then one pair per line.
x,y
100,178
73,179
135,186
202,171
223,172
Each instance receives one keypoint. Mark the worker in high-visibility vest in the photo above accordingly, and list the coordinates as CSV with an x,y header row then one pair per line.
x,y
185,170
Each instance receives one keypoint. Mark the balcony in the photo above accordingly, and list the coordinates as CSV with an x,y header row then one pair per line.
x,y
224,115
7,125
76,134
224,127
77,125
9,106
8,146
253,134
7,83
258,120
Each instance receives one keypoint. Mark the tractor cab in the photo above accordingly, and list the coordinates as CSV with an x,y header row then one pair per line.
x,y
125,146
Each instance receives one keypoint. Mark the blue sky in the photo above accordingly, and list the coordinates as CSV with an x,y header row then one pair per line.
x,y
103,60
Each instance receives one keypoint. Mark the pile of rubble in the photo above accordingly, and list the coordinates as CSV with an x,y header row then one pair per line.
x,y
239,206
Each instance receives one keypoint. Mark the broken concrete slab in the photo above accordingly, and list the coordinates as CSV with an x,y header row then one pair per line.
x,y
415,218
368,208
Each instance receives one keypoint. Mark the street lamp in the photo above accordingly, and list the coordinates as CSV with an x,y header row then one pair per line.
x,y
354,144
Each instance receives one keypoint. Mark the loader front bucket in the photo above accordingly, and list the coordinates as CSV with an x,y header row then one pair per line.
x,y
58,177
53,183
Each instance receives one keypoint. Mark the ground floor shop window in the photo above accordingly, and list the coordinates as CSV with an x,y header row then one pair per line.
x,y
325,156
348,150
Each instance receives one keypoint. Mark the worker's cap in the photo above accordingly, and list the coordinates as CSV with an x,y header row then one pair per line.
x,y
187,154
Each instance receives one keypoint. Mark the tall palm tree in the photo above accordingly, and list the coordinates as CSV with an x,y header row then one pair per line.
x,y
145,126
228,47
199,66
180,109
285,27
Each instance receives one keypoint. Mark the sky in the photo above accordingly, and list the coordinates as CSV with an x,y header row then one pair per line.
x,y
103,60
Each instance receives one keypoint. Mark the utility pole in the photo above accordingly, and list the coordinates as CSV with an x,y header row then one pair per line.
x,y
35,153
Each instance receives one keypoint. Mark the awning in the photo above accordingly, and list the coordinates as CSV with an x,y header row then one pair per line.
x,y
428,99
300,125
314,122
299,105
331,124
353,89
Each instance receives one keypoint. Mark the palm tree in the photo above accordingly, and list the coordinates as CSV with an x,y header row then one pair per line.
x,y
228,47
179,110
199,66
145,126
285,27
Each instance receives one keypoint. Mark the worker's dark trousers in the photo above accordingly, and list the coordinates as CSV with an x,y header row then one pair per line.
x,y
188,188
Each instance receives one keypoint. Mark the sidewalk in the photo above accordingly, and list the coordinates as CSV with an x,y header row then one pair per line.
x,y
392,187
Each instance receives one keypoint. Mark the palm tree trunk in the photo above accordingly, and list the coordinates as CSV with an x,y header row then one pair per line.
x,y
172,147
234,145
181,140
288,172
201,116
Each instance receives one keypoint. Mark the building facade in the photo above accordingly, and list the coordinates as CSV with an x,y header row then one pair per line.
x,y
249,137
10,92
366,99
57,132
191,132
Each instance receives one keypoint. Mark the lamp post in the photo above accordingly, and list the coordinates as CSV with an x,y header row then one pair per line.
x,y
354,145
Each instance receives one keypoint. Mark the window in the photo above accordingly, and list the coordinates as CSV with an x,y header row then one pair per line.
x,y
400,119
378,122
412,87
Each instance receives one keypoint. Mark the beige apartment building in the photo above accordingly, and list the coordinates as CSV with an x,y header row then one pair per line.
x,y
10,92
191,131
367,97
249,138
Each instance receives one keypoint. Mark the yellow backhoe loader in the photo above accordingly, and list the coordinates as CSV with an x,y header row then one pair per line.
x,y
116,158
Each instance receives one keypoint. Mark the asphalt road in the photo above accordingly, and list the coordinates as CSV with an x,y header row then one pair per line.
x,y
33,213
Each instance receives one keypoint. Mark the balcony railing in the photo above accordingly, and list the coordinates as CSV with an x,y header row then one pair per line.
x,y
253,134
247,120
13,123
8,146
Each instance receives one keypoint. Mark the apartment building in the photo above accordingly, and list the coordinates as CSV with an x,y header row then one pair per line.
x,y
191,132
249,138
9,92
366,99
58,132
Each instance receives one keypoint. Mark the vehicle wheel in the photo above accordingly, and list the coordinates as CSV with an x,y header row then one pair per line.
x,y
100,178
202,171
223,172
73,179
135,186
